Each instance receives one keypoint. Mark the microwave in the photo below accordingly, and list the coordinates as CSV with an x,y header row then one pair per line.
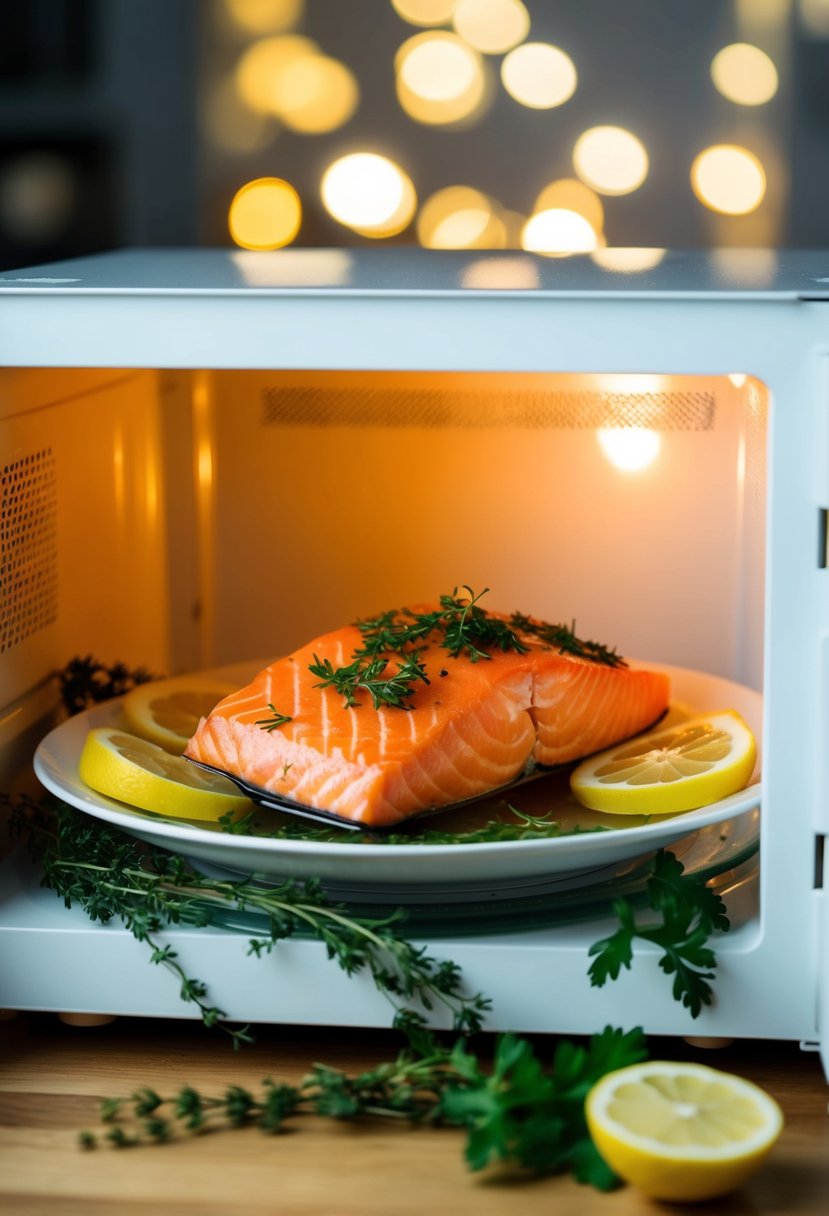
x,y
209,457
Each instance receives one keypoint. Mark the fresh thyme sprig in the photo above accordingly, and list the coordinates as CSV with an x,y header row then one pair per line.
x,y
278,719
563,638
516,1110
368,674
110,874
690,911
462,626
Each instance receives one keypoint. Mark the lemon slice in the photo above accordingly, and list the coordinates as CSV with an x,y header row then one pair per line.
x,y
681,1131
673,768
137,772
167,712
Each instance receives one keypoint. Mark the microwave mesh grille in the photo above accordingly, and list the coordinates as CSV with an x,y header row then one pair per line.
x,y
28,547
303,405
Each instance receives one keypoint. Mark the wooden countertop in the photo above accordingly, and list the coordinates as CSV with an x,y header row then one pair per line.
x,y
52,1077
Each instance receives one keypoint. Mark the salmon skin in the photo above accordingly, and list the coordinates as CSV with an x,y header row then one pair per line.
x,y
467,719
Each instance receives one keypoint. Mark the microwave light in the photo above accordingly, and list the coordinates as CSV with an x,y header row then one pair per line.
x,y
539,76
631,448
491,26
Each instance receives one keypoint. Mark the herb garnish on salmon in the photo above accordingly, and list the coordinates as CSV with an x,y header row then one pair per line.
x,y
536,699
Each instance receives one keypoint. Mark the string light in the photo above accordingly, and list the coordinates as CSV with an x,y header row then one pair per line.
x,y
572,195
729,179
424,12
744,74
539,76
265,16
439,78
491,26
611,160
265,214
368,193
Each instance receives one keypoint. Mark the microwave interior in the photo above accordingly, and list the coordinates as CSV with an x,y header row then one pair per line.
x,y
182,520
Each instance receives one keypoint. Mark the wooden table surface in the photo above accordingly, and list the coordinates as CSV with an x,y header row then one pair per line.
x,y
52,1077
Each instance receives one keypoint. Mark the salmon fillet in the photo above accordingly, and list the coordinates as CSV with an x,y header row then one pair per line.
x,y
472,726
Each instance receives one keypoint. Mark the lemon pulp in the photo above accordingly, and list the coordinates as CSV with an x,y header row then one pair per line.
x,y
143,775
681,1131
167,712
670,769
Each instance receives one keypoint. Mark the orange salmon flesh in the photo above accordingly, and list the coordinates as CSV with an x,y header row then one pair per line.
x,y
473,728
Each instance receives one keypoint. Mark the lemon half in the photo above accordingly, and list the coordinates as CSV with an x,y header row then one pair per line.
x,y
145,776
681,1131
167,712
673,768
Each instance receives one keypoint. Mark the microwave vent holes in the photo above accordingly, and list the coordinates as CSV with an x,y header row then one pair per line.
x,y
303,405
28,546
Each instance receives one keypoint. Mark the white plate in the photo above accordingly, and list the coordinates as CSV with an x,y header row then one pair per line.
x,y
410,865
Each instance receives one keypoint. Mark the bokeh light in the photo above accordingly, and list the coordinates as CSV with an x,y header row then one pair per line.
x,y
424,12
265,16
558,232
38,193
611,160
231,125
729,179
572,195
501,274
744,74
265,214
439,78
369,193
260,67
491,26
460,217
632,260
314,93
539,75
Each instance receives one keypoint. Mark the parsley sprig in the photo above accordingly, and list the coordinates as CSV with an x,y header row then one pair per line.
x,y
689,911
515,1110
